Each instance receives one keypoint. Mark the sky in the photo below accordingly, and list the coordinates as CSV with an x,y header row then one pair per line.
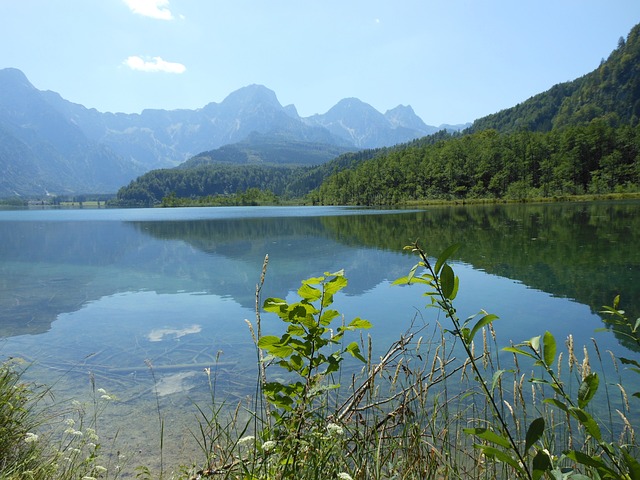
x,y
453,61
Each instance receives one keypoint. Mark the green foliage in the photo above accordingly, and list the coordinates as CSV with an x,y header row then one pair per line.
x,y
216,181
611,91
310,353
302,349
39,441
609,459
627,329
19,449
593,158
250,197
578,137
499,440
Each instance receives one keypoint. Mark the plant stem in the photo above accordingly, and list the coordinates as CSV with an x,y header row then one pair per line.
x,y
446,305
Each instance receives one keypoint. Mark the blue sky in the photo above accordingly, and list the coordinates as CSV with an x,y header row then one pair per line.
x,y
452,61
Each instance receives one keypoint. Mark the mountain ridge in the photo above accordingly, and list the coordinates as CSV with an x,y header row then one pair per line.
x,y
63,143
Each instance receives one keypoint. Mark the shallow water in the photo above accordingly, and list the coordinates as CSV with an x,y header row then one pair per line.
x,y
140,302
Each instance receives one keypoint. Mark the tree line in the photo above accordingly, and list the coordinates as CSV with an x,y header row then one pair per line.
x,y
596,158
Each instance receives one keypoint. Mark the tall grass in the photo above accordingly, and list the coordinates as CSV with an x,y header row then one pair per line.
x,y
44,440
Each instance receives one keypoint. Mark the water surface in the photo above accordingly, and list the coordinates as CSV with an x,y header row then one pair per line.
x,y
103,295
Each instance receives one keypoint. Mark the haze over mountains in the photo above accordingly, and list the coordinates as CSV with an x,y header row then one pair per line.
x,y
49,145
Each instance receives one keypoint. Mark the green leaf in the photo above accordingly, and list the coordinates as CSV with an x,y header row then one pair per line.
x,y
534,433
447,281
632,464
549,349
295,330
275,346
486,320
541,463
359,323
518,351
496,378
294,364
588,389
557,403
309,293
489,436
616,301
408,280
456,286
334,285
590,461
494,453
274,305
627,361
444,256
590,425
354,349
328,316
534,343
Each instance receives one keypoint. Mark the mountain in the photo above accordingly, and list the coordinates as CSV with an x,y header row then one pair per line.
x,y
264,149
579,137
41,151
51,145
363,126
611,91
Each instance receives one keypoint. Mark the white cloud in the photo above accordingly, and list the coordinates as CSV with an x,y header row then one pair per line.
x,y
151,8
156,64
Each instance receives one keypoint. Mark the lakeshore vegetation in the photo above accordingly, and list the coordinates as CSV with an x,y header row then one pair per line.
x,y
447,405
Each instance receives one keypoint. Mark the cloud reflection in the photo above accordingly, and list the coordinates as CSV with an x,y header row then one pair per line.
x,y
158,334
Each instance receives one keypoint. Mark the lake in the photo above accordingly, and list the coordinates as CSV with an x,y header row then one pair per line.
x,y
139,301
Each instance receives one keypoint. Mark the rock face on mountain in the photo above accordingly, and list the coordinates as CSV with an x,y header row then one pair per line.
x,y
48,144
363,126
42,151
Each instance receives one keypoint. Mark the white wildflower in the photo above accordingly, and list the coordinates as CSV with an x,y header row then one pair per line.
x,y
335,430
100,469
101,391
106,397
247,439
268,446
87,477
70,422
30,438
344,476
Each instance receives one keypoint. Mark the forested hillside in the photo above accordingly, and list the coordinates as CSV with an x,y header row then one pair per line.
x,y
579,137
612,91
205,180
595,158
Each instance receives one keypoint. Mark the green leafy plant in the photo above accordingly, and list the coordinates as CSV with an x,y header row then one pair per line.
x,y
623,325
499,441
310,352
610,459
